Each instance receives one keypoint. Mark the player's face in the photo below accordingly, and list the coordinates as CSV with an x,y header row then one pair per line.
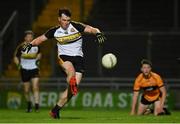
x,y
146,69
64,21
28,38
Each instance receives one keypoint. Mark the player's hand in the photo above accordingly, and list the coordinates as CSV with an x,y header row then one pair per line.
x,y
26,47
160,110
132,113
18,66
100,38
38,62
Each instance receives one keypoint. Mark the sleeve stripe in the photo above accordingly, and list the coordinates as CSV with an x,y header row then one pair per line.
x,y
161,86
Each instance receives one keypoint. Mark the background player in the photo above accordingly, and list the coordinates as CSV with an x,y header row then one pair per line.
x,y
68,35
27,64
154,90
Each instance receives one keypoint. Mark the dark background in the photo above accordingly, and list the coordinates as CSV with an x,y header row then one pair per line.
x,y
134,30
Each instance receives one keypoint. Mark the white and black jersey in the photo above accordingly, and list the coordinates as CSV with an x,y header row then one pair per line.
x,y
69,41
27,60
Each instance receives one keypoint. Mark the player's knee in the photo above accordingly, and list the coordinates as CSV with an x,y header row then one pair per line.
x,y
157,112
26,91
69,69
140,113
71,73
35,89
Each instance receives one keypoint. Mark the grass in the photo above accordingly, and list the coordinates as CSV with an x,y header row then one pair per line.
x,y
84,116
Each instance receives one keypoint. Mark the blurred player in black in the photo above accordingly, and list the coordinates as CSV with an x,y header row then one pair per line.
x,y
28,65
68,35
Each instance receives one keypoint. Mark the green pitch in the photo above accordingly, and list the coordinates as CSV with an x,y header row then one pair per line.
x,y
84,116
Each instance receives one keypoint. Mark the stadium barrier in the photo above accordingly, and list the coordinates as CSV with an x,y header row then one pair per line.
x,y
112,93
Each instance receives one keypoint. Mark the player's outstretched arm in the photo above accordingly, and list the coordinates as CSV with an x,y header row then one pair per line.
x,y
38,40
92,30
100,36
26,47
134,102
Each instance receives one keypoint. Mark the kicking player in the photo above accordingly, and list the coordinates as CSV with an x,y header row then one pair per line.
x,y
68,35
27,64
154,90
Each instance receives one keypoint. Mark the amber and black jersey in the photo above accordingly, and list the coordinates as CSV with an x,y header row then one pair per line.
x,y
150,85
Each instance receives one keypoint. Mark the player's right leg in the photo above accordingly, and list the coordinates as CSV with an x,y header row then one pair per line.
x,y
25,77
141,108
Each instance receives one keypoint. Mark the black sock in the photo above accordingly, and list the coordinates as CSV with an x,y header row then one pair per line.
x,y
36,106
56,108
29,105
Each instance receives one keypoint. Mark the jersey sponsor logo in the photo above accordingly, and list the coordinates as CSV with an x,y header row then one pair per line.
x,y
150,88
65,32
69,38
59,32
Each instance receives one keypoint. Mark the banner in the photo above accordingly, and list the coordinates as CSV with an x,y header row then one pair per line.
x,y
85,99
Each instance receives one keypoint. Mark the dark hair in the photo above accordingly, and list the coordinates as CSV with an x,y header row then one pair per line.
x,y
64,11
29,32
145,61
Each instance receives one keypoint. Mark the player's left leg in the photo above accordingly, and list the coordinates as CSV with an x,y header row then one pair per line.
x,y
65,97
67,94
35,88
141,109
74,69
26,87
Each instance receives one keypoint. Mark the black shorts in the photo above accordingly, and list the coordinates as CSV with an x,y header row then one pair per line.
x,y
77,61
146,102
27,75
